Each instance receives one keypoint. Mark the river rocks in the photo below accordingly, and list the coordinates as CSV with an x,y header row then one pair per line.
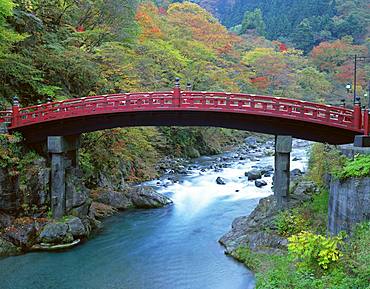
x,y
76,227
146,198
253,174
296,173
258,231
133,197
7,248
55,233
118,200
247,230
21,235
302,191
260,183
100,210
251,141
173,165
220,181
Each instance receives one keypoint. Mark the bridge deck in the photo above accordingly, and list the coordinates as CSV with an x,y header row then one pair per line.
x,y
265,114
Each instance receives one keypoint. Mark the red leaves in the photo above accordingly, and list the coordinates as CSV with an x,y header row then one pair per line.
x,y
80,28
261,82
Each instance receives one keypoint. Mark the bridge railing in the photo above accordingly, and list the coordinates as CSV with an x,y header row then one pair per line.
x,y
6,116
187,100
268,105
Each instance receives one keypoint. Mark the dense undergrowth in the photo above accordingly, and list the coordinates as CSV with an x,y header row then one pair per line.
x,y
132,154
314,260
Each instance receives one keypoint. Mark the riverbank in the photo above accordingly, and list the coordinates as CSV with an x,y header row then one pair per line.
x,y
30,227
180,239
275,244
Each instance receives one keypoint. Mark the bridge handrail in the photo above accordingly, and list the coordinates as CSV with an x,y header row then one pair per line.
x,y
269,98
5,116
217,101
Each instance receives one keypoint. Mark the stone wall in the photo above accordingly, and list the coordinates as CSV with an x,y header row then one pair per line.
x,y
349,204
9,199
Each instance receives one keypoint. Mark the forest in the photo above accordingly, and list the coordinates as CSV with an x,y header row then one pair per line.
x,y
54,50
303,23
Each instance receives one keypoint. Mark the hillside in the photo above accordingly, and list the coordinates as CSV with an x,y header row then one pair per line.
x,y
302,23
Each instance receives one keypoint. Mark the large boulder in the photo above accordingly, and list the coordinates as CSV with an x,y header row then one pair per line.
x,y
302,191
260,183
118,200
147,197
7,248
258,230
253,174
132,197
295,174
100,210
76,227
220,181
55,233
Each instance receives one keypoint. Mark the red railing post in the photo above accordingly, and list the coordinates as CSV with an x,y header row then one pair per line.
x,y
357,115
366,122
15,112
177,93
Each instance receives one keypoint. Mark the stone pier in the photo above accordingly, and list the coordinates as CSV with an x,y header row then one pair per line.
x,y
64,154
283,147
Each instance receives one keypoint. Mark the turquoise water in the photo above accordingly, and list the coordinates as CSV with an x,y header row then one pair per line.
x,y
173,247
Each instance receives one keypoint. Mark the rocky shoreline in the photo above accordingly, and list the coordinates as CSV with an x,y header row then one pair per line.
x,y
36,231
23,234
257,231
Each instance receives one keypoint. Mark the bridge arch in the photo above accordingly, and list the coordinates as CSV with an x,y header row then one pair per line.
x,y
265,114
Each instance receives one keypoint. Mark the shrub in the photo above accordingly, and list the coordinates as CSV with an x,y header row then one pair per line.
x,y
245,255
290,222
358,167
314,251
324,159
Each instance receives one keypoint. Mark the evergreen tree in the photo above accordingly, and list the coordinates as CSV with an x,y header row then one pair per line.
x,y
253,20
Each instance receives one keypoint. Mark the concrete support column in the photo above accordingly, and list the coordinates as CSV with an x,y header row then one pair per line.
x,y
283,147
63,150
58,185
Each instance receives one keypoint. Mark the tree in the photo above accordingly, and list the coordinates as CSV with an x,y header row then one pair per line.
x,y
253,20
7,35
303,36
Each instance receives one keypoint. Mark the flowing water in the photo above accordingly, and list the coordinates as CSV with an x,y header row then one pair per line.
x,y
174,247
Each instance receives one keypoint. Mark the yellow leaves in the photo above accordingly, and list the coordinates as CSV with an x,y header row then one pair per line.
x,y
190,8
313,250
148,18
202,26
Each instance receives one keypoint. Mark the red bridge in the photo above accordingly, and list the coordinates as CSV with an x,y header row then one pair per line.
x,y
265,114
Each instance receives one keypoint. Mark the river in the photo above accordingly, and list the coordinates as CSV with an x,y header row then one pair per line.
x,y
174,247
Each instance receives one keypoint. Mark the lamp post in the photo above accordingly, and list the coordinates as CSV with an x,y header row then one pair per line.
x,y
357,58
348,87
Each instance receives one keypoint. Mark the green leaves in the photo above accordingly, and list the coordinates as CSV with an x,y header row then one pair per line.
x,y
290,222
357,168
315,251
